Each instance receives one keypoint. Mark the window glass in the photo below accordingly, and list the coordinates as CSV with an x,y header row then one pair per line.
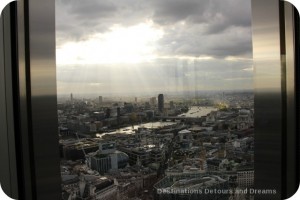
x,y
155,98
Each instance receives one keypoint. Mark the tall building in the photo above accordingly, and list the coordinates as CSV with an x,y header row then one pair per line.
x,y
161,103
100,100
71,97
108,112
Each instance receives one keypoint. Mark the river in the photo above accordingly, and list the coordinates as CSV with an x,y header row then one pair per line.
x,y
198,111
130,129
195,111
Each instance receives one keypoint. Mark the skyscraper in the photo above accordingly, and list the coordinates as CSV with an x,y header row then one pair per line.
x,y
161,103
100,100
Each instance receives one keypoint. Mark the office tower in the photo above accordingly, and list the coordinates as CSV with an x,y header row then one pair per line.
x,y
135,99
161,103
107,158
118,112
118,115
71,97
100,100
108,112
152,101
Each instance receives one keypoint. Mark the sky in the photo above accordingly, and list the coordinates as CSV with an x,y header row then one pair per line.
x,y
110,47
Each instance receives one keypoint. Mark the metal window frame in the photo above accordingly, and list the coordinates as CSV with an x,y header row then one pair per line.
x,y
276,141
7,137
30,101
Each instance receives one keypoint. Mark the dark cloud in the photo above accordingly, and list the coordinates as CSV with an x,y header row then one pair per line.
x,y
210,27
172,11
92,8
217,15
192,28
78,20
187,40
205,28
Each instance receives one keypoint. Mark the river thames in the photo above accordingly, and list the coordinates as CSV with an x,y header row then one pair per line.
x,y
194,111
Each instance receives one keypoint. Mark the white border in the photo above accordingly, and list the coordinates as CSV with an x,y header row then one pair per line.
x,y
3,196
295,3
3,3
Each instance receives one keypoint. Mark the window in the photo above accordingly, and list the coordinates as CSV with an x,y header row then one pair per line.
x,y
154,77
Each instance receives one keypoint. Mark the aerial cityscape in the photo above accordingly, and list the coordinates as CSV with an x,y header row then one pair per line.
x,y
158,147
155,99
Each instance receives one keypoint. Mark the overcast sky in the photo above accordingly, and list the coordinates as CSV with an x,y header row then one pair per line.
x,y
153,46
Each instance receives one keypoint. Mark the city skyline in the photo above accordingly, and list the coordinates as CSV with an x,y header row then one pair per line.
x,y
158,46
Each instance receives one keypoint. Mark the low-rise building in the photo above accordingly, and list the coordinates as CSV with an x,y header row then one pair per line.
x,y
193,187
88,187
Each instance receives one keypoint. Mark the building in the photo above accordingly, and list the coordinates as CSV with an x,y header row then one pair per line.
x,y
107,158
193,187
245,119
76,149
63,131
100,100
161,103
138,155
245,176
222,152
105,162
213,164
157,155
93,127
89,187
172,105
153,101
185,135
188,166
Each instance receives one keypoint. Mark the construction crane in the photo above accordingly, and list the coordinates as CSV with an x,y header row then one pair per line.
x,y
81,147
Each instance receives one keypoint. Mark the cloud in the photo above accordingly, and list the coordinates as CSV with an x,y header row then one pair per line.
x,y
219,31
190,41
78,20
171,11
205,28
218,15
192,27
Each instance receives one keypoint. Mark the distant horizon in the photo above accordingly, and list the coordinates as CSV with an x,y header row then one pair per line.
x,y
173,94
